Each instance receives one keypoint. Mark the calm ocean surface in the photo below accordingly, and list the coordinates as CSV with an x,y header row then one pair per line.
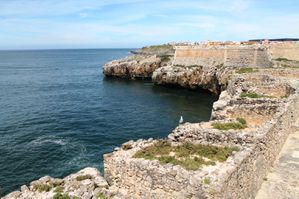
x,y
59,114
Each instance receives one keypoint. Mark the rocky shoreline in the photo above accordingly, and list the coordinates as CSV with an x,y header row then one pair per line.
x,y
255,113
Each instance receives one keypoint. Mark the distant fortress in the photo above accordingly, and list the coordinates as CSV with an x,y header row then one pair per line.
x,y
253,53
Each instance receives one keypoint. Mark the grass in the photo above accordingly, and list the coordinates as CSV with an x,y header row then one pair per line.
x,y
206,180
228,125
254,95
187,155
102,196
61,196
165,58
242,121
59,189
83,177
43,187
247,70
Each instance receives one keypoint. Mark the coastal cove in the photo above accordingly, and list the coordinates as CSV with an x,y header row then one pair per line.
x,y
60,114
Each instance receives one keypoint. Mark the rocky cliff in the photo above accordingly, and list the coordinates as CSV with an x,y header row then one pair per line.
x,y
251,120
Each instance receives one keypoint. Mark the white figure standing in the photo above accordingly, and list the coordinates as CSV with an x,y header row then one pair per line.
x,y
181,120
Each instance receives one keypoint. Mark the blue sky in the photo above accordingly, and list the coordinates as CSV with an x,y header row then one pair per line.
x,y
42,24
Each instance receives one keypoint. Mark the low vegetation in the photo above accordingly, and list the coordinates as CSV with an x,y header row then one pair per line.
x,y
102,196
207,180
165,58
282,59
43,187
239,124
228,125
164,49
63,196
83,177
187,155
247,70
254,95
58,189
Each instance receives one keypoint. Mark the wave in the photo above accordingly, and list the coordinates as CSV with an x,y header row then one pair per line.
x,y
48,139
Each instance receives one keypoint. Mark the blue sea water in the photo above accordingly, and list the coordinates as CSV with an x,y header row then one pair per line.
x,y
58,113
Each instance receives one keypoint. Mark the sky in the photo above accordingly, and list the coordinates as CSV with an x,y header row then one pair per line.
x,y
57,24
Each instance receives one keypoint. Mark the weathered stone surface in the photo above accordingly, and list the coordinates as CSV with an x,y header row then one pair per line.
x,y
211,78
133,67
86,184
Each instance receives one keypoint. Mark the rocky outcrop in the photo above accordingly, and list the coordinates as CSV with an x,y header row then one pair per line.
x,y
86,184
139,66
212,78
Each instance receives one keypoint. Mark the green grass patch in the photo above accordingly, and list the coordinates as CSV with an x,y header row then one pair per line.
x,y
247,70
228,125
83,177
102,196
61,196
187,155
242,121
254,95
206,180
58,189
165,58
43,187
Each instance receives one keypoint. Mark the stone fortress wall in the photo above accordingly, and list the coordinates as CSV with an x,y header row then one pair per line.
x,y
257,56
284,50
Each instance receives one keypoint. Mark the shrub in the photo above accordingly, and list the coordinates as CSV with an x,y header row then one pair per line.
x,y
247,70
83,177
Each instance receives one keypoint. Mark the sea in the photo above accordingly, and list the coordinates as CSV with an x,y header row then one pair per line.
x,y
59,114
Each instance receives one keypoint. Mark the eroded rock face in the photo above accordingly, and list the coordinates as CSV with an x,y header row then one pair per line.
x,y
139,66
211,78
86,184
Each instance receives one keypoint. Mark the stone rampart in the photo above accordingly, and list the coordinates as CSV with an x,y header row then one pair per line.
x,y
230,56
288,51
